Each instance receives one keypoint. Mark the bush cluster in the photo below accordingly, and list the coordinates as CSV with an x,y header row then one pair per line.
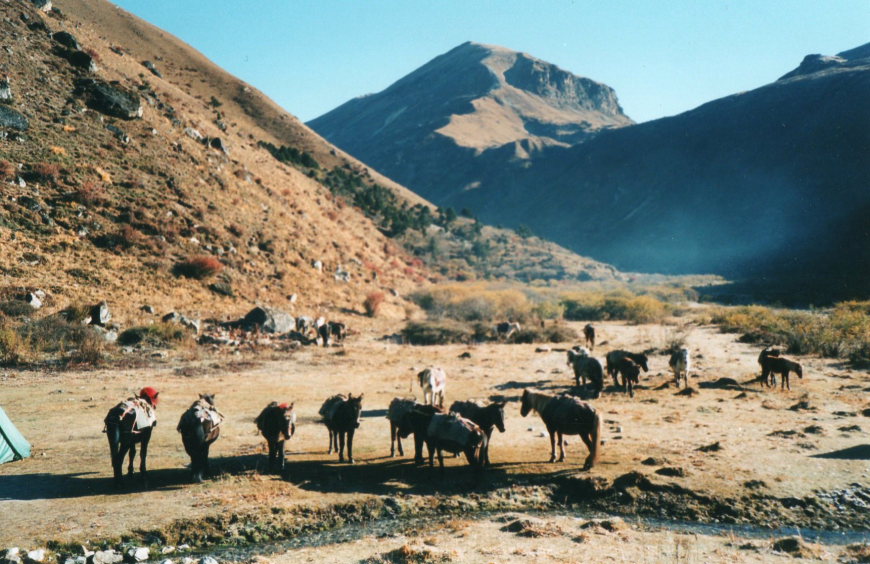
x,y
373,302
158,335
199,267
617,306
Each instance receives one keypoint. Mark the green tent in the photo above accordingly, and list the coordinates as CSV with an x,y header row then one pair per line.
x,y
13,445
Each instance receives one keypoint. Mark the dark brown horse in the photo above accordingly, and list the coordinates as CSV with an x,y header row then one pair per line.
x,y
782,366
277,423
412,422
586,366
200,427
441,432
565,415
766,353
630,371
130,423
589,335
397,410
341,415
487,417
613,357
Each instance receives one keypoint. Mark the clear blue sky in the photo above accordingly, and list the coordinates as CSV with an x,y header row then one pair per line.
x,y
662,58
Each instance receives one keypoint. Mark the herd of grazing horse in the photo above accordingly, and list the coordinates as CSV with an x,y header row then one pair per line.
x,y
465,428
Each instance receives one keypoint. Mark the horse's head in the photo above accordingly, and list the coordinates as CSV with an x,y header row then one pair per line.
x,y
290,419
150,395
355,404
526,404
642,361
498,407
208,398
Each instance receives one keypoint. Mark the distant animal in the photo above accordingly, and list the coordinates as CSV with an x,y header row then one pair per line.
x,y
506,329
565,415
586,366
337,330
487,417
613,357
680,365
130,423
341,415
443,432
200,427
433,380
304,325
397,410
780,365
765,353
589,335
277,423
324,334
630,371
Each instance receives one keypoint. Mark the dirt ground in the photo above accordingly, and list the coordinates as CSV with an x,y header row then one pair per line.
x,y
773,446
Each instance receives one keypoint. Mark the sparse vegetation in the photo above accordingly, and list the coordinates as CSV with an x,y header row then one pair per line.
x,y
199,267
840,332
157,335
373,302
436,332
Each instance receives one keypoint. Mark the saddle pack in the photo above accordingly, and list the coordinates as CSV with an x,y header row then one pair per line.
x,y
144,413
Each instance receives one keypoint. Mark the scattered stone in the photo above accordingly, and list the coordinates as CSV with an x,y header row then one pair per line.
x,y
110,98
11,555
138,554
208,560
107,557
225,289
849,428
293,298
5,90
175,317
715,447
79,59
218,143
108,335
754,484
534,528
150,66
100,314
147,309
44,5
33,300
866,412
11,119
802,405
543,349
317,265
672,471
268,320
814,430
652,461
66,39
796,547
35,556
785,434
193,133
466,354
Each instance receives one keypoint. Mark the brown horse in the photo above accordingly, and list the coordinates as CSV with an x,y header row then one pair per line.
x,y
630,371
341,415
613,357
487,417
780,365
200,427
128,423
565,415
277,423
766,353
397,410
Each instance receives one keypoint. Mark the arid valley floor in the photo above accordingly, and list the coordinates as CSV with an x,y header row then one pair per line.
x,y
727,455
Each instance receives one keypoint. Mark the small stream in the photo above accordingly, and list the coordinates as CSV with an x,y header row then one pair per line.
x,y
389,527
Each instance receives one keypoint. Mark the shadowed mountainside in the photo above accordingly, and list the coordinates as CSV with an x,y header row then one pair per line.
x,y
768,186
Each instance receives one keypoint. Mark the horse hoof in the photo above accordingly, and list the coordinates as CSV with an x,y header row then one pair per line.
x,y
351,460
552,460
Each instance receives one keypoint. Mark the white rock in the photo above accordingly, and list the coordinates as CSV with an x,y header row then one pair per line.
x,y
37,555
208,560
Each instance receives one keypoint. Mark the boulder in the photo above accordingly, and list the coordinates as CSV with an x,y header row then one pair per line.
x,y
32,299
222,288
269,320
35,556
208,560
5,90
100,314
11,119
218,143
151,67
107,557
110,98
147,309
137,554
119,133
66,39
175,317
193,133
44,5
79,59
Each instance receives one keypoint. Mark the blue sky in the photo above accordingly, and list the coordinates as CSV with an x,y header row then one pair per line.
x,y
662,58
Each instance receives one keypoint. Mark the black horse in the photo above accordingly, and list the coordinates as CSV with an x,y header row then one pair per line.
x,y
341,415
277,423
486,417
130,423
612,362
441,432
200,427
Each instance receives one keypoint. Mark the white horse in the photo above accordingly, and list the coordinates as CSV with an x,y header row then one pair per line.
x,y
433,380
680,364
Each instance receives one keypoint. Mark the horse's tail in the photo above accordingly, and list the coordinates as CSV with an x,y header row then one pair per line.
x,y
594,439
113,433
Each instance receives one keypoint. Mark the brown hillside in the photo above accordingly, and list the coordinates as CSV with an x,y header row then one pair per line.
x,y
101,207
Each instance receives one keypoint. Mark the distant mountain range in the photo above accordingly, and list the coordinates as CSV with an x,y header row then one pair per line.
x,y
770,185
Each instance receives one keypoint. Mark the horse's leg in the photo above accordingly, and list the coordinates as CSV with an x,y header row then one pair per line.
x,y
431,454
441,460
340,447
114,436
279,453
552,444
418,448
350,445
484,450
587,440
784,382
331,440
561,448
143,456
132,456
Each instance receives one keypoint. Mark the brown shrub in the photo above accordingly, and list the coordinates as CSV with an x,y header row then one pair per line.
x,y
372,303
90,194
45,172
7,170
199,267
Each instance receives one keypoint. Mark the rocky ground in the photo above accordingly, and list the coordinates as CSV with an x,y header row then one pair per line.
x,y
728,452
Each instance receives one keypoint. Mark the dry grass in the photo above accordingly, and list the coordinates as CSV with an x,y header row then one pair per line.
x,y
198,267
373,302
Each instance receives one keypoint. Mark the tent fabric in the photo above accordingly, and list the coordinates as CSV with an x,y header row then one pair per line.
x,y
13,445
